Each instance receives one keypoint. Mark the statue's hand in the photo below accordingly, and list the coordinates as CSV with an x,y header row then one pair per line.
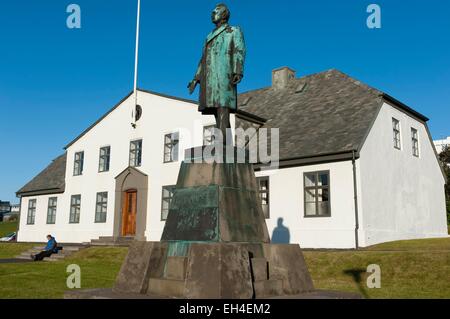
x,y
236,79
191,86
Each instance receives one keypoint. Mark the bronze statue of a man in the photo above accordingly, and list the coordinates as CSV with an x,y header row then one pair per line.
x,y
220,69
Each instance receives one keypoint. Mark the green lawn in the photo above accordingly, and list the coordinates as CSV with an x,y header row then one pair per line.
x,y
427,245
7,228
99,267
409,269
9,250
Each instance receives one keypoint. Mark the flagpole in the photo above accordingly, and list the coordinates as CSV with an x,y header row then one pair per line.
x,y
136,62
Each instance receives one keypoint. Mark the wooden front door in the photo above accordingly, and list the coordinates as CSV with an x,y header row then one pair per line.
x,y
129,213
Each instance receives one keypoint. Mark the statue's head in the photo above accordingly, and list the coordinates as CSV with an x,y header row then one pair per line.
x,y
220,14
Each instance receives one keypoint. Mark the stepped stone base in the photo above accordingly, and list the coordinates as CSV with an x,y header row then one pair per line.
x,y
213,270
108,293
111,241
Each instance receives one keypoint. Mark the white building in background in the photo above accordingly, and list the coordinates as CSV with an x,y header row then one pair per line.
x,y
15,208
357,167
441,144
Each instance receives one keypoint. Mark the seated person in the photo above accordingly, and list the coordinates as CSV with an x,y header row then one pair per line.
x,y
48,250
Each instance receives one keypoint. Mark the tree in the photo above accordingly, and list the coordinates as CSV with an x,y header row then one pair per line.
x,y
444,157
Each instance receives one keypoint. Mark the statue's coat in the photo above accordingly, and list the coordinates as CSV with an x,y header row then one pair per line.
x,y
223,57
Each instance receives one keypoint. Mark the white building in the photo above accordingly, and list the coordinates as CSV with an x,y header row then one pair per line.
x,y
441,144
357,167
15,208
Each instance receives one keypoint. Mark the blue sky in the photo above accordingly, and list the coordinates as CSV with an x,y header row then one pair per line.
x,y
55,81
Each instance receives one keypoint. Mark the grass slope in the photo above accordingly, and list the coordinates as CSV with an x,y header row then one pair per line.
x,y
7,228
9,250
409,269
405,274
99,267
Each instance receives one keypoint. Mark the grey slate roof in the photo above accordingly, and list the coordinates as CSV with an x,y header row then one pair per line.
x,y
50,181
323,113
318,115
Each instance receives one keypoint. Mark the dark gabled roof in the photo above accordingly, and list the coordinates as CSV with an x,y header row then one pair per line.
x,y
50,181
320,114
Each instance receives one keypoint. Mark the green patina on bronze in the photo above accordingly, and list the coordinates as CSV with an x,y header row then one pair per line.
x,y
216,202
221,67
197,213
178,248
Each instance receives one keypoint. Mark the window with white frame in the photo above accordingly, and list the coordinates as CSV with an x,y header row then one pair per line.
x,y
317,194
263,185
171,143
415,142
101,207
51,210
103,163
166,200
135,153
78,163
208,135
31,211
396,132
75,206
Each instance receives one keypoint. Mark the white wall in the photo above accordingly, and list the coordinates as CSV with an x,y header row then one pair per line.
x,y
287,201
160,116
402,196
40,229
399,196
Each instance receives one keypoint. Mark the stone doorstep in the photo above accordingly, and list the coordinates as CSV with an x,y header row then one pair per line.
x,y
65,248
110,244
110,239
22,257
65,252
61,252
164,287
176,268
27,254
71,248
35,251
52,258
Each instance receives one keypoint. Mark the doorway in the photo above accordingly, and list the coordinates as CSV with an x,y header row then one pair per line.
x,y
129,210
130,204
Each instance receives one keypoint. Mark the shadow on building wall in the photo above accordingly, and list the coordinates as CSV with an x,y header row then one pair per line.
x,y
281,233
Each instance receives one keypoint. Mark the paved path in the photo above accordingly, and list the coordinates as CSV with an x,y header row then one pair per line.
x,y
14,261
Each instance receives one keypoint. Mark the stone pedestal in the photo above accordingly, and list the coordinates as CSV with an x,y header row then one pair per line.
x,y
215,242
214,270
216,202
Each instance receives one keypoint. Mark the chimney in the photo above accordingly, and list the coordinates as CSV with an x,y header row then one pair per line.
x,y
281,77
